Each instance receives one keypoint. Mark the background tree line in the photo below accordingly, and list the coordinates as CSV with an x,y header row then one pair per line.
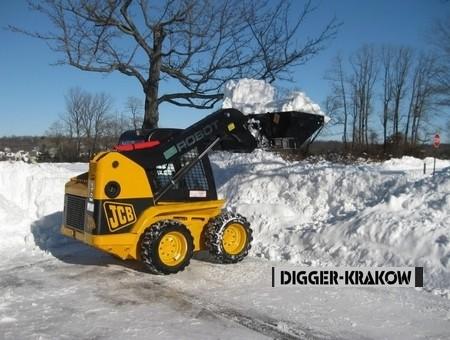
x,y
390,99
89,125
383,98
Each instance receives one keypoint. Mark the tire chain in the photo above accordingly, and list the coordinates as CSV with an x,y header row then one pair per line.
x,y
214,232
150,236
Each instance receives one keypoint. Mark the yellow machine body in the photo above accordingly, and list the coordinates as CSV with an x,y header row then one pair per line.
x,y
115,225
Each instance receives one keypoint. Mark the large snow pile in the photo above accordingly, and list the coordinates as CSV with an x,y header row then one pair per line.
x,y
327,214
29,193
257,96
379,214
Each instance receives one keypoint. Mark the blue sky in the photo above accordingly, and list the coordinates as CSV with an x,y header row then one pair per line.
x,y
32,91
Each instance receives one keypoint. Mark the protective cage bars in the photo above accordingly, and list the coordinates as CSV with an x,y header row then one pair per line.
x,y
189,172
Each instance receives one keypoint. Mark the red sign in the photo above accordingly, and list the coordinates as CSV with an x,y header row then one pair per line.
x,y
436,140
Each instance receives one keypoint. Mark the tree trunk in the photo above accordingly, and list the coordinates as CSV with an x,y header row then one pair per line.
x,y
78,134
385,121
416,134
345,129
354,131
344,102
366,118
410,113
396,116
355,117
413,127
151,116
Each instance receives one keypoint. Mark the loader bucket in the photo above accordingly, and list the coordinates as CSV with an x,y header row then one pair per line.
x,y
290,129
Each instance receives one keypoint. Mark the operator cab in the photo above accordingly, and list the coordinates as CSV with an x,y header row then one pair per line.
x,y
197,184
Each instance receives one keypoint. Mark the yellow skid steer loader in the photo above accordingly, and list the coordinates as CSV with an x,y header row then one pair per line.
x,y
153,198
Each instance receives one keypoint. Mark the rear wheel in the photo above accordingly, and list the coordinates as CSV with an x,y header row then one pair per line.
x,y
166,247
228,237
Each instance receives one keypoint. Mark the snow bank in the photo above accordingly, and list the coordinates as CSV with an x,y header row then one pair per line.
x,y
257,96
28,193
412,163
342,215
376,214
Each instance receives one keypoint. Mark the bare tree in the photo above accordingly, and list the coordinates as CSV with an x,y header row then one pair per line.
x,y
338,101
95,108
85,118
440,38
424,95
56,130
332,107
116,124
396,64
373,137
402,57
386,58
73,117
365,69
355,111
58,145
100,106
198,43
135,108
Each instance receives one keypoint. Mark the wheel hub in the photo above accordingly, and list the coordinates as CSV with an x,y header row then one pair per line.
x,y
172,248
234,238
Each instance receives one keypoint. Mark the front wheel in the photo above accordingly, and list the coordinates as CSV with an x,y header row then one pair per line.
x,y
228,237
166,247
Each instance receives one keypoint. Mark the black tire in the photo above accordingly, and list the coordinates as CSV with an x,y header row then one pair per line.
x,y
150,247
214,233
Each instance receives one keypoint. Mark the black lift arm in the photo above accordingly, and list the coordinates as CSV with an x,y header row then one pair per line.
x,y
229,129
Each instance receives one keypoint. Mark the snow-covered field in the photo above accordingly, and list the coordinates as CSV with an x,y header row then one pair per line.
x,y
369,214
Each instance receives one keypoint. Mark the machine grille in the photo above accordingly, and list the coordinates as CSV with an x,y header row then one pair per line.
x,y
74,208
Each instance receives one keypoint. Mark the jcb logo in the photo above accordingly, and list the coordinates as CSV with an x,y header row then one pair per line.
x,y
119,215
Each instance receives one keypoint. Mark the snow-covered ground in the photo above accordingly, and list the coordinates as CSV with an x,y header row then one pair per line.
x,y
369,214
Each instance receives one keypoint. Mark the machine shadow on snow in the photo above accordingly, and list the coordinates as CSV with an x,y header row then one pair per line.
x,y
48,238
